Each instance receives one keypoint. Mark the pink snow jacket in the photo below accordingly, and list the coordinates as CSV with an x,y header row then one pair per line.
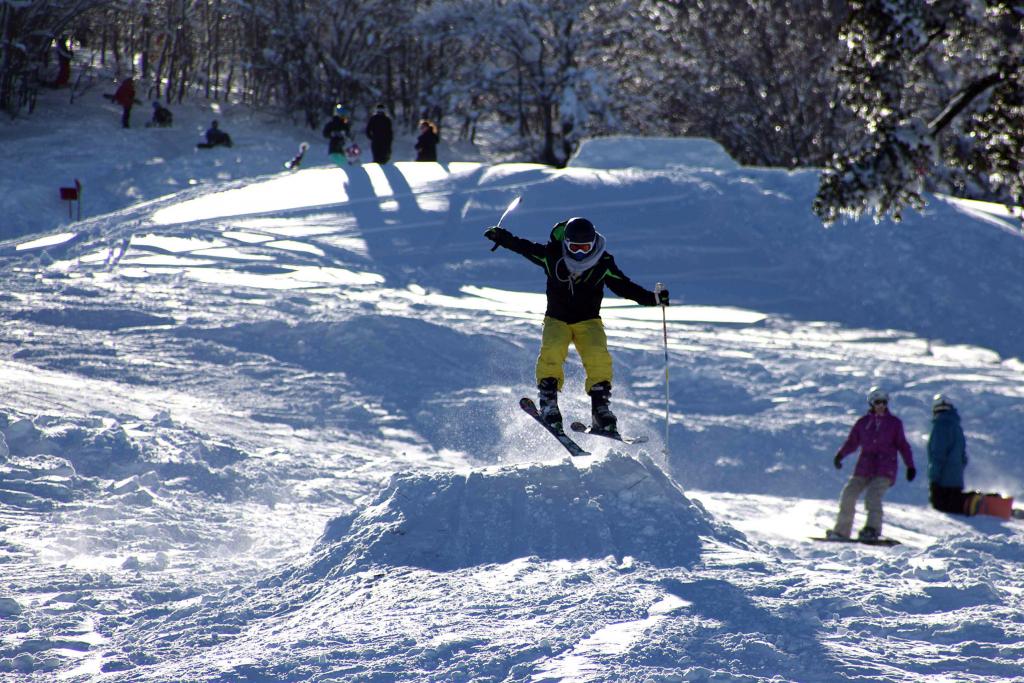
x,y
879,438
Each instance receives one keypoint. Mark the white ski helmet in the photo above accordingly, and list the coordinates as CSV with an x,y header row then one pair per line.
x,y
877,394
941,402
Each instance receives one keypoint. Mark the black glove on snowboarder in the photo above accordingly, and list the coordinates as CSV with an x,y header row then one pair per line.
x,y
497,235
838,461
663,297
911,473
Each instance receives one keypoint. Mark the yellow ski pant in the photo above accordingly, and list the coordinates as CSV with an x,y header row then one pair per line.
x,y
591,343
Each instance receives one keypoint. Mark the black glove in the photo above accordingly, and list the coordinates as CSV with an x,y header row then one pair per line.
x,y
497,235
500,236
911,473
662,297
838,461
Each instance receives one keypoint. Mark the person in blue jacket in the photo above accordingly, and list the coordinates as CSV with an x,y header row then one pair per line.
x,y
947,459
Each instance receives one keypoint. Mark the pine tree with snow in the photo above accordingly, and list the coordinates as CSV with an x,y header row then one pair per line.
x,y
937,89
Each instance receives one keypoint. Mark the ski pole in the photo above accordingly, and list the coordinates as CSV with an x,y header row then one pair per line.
x,y
513,204
658,289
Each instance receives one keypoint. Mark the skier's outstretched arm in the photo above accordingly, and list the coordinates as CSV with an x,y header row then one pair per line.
x,y
534,251
627,289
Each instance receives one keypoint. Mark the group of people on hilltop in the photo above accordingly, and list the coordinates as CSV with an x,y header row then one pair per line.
x,y
343,149
879,436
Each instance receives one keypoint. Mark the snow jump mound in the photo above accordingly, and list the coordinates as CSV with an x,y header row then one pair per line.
x,y
616,505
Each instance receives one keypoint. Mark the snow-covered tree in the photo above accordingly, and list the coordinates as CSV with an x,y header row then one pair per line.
x,y
546,66
755,75
937,88
27,30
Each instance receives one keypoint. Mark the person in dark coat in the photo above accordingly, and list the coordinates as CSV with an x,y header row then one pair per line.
x,y
125,96
215,137
426,143
577,268
338,131
162,117
64,55
947,460
379,130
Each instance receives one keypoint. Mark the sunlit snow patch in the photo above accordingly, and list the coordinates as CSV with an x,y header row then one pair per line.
x,y
313,187
47,241
613,506
652,153
1009,219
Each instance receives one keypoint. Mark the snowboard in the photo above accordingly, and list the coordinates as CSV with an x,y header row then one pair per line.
x,y
584,429
877,541
995,505
296,161
530,408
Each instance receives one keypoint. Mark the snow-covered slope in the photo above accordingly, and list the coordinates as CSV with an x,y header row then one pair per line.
x,y
264,428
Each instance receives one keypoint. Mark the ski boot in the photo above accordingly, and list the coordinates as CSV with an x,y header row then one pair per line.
x,y
601,415
547,391
868,533
833,535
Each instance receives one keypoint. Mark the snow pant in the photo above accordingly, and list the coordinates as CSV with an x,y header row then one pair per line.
x,y
951,499
591,343
873,489
381,152
126,116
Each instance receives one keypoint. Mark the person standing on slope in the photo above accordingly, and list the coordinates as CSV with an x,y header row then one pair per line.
x,y
879,435
578,268
380,133
337,131
947,460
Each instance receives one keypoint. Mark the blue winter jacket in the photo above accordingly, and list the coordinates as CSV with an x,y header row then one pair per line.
x,y
947,450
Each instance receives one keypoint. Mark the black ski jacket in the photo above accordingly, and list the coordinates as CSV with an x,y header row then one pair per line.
x,y
581,301
337,131
378,129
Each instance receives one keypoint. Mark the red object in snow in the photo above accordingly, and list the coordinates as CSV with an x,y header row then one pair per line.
x,y
73,194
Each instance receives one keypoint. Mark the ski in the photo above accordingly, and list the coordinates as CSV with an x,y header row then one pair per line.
x,y
530,408
584,429
877,541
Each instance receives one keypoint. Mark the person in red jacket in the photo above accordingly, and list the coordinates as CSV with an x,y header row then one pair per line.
x,y
879,436
125,96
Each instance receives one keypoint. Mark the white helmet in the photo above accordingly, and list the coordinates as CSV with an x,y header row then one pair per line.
x,y
941,402
877,394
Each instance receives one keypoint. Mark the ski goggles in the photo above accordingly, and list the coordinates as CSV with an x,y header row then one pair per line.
x,y
579,247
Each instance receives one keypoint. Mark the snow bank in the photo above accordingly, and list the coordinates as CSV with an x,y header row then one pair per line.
x,y
617,505
652,153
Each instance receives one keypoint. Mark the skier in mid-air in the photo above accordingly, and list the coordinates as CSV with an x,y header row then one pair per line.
x,y
578,268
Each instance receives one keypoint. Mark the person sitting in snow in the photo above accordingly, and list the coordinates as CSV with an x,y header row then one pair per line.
x,y
947,460
578,268
879,435
162,117
215,137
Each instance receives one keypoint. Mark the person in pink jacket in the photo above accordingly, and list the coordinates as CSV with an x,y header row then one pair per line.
x,y
879,436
